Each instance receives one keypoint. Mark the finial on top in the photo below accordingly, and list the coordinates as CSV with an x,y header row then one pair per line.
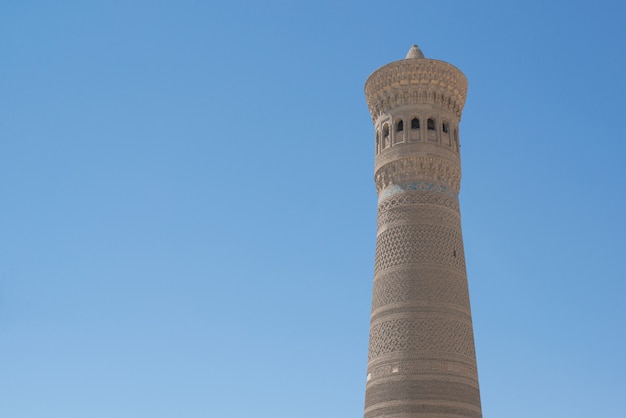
x,y
414,53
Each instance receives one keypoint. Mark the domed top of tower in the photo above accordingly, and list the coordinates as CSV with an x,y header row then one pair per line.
x,y
414,53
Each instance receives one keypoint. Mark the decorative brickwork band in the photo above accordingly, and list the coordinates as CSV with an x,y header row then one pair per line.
x,y
420,244
413,198
404,83
423,287
409,170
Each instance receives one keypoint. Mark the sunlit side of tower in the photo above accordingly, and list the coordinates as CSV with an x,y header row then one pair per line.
x,y
421,360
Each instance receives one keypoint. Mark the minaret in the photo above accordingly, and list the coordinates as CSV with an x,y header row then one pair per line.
x,y
421,360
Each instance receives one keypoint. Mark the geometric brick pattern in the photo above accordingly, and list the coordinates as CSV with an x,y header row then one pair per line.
x,y
421,286
420,244
423,214
412,198
413,336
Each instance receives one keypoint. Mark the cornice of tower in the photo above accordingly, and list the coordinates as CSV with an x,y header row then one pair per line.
x,y
414,81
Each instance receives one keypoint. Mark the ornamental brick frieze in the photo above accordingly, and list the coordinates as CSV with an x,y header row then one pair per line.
x,y
398,189
412,309
428,366
405,83
408,170
426,214
426,245
434,96
414,335
403,150
418,198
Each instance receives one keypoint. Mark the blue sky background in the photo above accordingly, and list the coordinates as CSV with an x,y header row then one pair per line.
x,y
188,210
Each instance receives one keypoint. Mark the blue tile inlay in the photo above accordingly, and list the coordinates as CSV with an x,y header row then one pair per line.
x,y
418,185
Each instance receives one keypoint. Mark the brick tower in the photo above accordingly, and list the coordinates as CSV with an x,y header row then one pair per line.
x,y
421,360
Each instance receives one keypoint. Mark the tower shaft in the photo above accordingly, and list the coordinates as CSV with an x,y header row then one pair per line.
x,y
421,360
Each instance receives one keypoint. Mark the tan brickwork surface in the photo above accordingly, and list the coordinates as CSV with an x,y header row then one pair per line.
x,y
421,359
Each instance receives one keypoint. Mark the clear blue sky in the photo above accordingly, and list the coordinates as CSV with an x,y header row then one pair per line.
x,y
188,212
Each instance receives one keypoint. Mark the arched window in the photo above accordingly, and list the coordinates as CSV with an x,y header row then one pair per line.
x,y
444,127
431,124
400,126
385,131
415,123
